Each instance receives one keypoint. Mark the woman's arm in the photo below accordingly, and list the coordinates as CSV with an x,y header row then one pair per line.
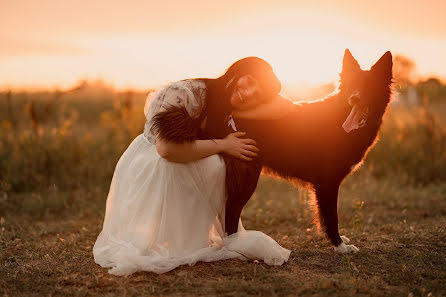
x,y
188,151
191,151
273,109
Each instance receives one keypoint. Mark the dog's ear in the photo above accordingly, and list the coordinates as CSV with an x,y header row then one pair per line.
x,y
384,66
349,63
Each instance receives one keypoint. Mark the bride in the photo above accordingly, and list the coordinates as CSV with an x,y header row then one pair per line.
x,y
166,204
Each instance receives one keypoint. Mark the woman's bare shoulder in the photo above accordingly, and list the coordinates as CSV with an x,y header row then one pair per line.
x,y
269,110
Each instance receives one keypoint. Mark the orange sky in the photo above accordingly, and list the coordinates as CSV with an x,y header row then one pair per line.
x,y
137,43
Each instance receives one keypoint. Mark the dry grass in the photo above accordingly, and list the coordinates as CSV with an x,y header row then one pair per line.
x,y
400,232
52,199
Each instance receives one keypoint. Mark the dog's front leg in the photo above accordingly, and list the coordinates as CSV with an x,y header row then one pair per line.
x,y
241,182
327,206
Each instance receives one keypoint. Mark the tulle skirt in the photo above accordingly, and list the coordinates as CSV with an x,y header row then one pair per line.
x,y
160,215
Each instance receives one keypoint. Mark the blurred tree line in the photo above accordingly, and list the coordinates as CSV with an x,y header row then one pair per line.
x,y
412,89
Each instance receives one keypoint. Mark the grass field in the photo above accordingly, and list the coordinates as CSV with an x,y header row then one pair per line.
x,y
57,154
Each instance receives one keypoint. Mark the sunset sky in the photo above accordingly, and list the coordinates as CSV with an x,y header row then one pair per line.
x,y
55,43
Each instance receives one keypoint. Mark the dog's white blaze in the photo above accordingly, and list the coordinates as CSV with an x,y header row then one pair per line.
x,y
231,123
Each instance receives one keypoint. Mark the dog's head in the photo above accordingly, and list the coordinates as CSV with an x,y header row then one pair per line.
x,y
366,91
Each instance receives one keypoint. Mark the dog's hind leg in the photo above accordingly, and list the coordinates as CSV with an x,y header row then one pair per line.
x,y
241,182
327,206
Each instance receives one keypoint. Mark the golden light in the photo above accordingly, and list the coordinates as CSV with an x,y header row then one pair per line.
x,y
153,43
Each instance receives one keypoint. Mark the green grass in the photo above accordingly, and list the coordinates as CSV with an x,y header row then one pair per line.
x,y
57,155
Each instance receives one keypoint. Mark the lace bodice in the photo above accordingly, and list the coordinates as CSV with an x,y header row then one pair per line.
x,y
185,93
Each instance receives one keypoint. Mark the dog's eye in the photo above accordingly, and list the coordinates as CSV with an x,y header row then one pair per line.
x,y
354,98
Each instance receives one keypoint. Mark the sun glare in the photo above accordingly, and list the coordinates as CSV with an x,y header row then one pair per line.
x,y
296,56
303,42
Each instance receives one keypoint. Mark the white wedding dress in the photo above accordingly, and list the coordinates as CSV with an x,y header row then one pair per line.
x,y
160,214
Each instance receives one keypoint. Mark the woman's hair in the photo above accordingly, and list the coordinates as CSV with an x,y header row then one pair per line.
x,y
218,105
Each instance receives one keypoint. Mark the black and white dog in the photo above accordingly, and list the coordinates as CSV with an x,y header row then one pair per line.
x,y
317,144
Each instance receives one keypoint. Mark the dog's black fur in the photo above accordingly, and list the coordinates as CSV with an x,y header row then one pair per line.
x,y
309,144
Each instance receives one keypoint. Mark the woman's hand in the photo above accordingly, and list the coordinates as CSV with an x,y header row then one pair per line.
x,y
243,148
232,144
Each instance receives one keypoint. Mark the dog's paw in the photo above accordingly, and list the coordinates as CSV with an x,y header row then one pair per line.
x,y
344,248
345,239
